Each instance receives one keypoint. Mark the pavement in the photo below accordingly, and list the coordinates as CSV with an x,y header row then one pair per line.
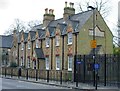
x,y
81,86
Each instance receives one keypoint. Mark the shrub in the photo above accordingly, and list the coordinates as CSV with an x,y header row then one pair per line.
x,y
13,64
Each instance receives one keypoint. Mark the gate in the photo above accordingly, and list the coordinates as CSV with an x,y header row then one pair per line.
x,y
108,72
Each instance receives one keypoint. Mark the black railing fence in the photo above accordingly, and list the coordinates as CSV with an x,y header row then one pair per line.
x,y
108,69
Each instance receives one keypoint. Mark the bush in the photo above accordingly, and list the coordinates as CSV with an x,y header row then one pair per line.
x,y
13,64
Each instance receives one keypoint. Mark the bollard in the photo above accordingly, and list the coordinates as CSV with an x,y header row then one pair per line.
x,y
47,75
36,74
27,74
5,72
76,78
11,72
61,77
105,70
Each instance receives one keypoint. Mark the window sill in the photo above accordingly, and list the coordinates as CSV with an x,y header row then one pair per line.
x,y
47,46
69,44
69,69
57,69
57,45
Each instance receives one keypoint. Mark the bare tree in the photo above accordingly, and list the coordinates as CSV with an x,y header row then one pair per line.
x,y
102,6
31,24
20,25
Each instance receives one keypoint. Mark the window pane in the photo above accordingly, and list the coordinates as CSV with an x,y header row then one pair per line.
x,y
28,44
47,42
22,46
57,63
70,38
57,40
37,44
47,63
69,62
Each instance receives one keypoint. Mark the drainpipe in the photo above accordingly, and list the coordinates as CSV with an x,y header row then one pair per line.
x,y
63,52
51,52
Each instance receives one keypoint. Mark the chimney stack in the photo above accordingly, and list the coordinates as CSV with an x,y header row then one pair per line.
x,y
68,11
48,17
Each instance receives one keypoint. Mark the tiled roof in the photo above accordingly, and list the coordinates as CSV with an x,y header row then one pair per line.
x,y
6,41
77,21
41,33
32,34
25,37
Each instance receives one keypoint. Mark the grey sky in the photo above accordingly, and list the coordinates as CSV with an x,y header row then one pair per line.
x,y
27,10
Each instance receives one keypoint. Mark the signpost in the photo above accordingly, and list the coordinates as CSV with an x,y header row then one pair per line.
x,y
96,67
93,43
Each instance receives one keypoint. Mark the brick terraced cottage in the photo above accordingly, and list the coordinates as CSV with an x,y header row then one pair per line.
x,y
53,44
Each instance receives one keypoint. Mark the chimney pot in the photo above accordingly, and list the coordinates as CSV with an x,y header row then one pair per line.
x,y
70,5
66,4
52,11
46,11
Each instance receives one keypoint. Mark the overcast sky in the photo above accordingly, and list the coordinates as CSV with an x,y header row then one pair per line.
x,y
27,10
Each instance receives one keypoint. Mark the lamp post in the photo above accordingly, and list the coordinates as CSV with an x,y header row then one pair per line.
x,y
94,46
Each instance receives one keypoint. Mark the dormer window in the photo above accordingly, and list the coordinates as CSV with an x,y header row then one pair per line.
x,y
70,38
22,46
57,40
47,42
37,43
29,45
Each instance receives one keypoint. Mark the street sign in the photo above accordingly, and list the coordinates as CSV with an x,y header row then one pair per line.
x,y
96,66
93,43
78,62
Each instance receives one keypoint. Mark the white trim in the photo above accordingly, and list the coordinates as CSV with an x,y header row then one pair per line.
x,y
47,42
70,38
57,62
70,58
47,63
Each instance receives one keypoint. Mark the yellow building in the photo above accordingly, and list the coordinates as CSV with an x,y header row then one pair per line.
x,y
53,44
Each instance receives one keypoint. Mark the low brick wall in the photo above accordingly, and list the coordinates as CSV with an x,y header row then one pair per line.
x,y
41,74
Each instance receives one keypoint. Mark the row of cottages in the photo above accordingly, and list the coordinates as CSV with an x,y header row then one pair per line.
x,y
53,44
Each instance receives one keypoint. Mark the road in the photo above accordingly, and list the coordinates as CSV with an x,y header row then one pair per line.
x,y
17,84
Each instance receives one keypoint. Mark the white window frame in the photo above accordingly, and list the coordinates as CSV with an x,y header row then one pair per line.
x,y
34,64
70,39
70,62
47,42
58,63
29,44
22,46
47,63
28,59
37,43
22,62
57,40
